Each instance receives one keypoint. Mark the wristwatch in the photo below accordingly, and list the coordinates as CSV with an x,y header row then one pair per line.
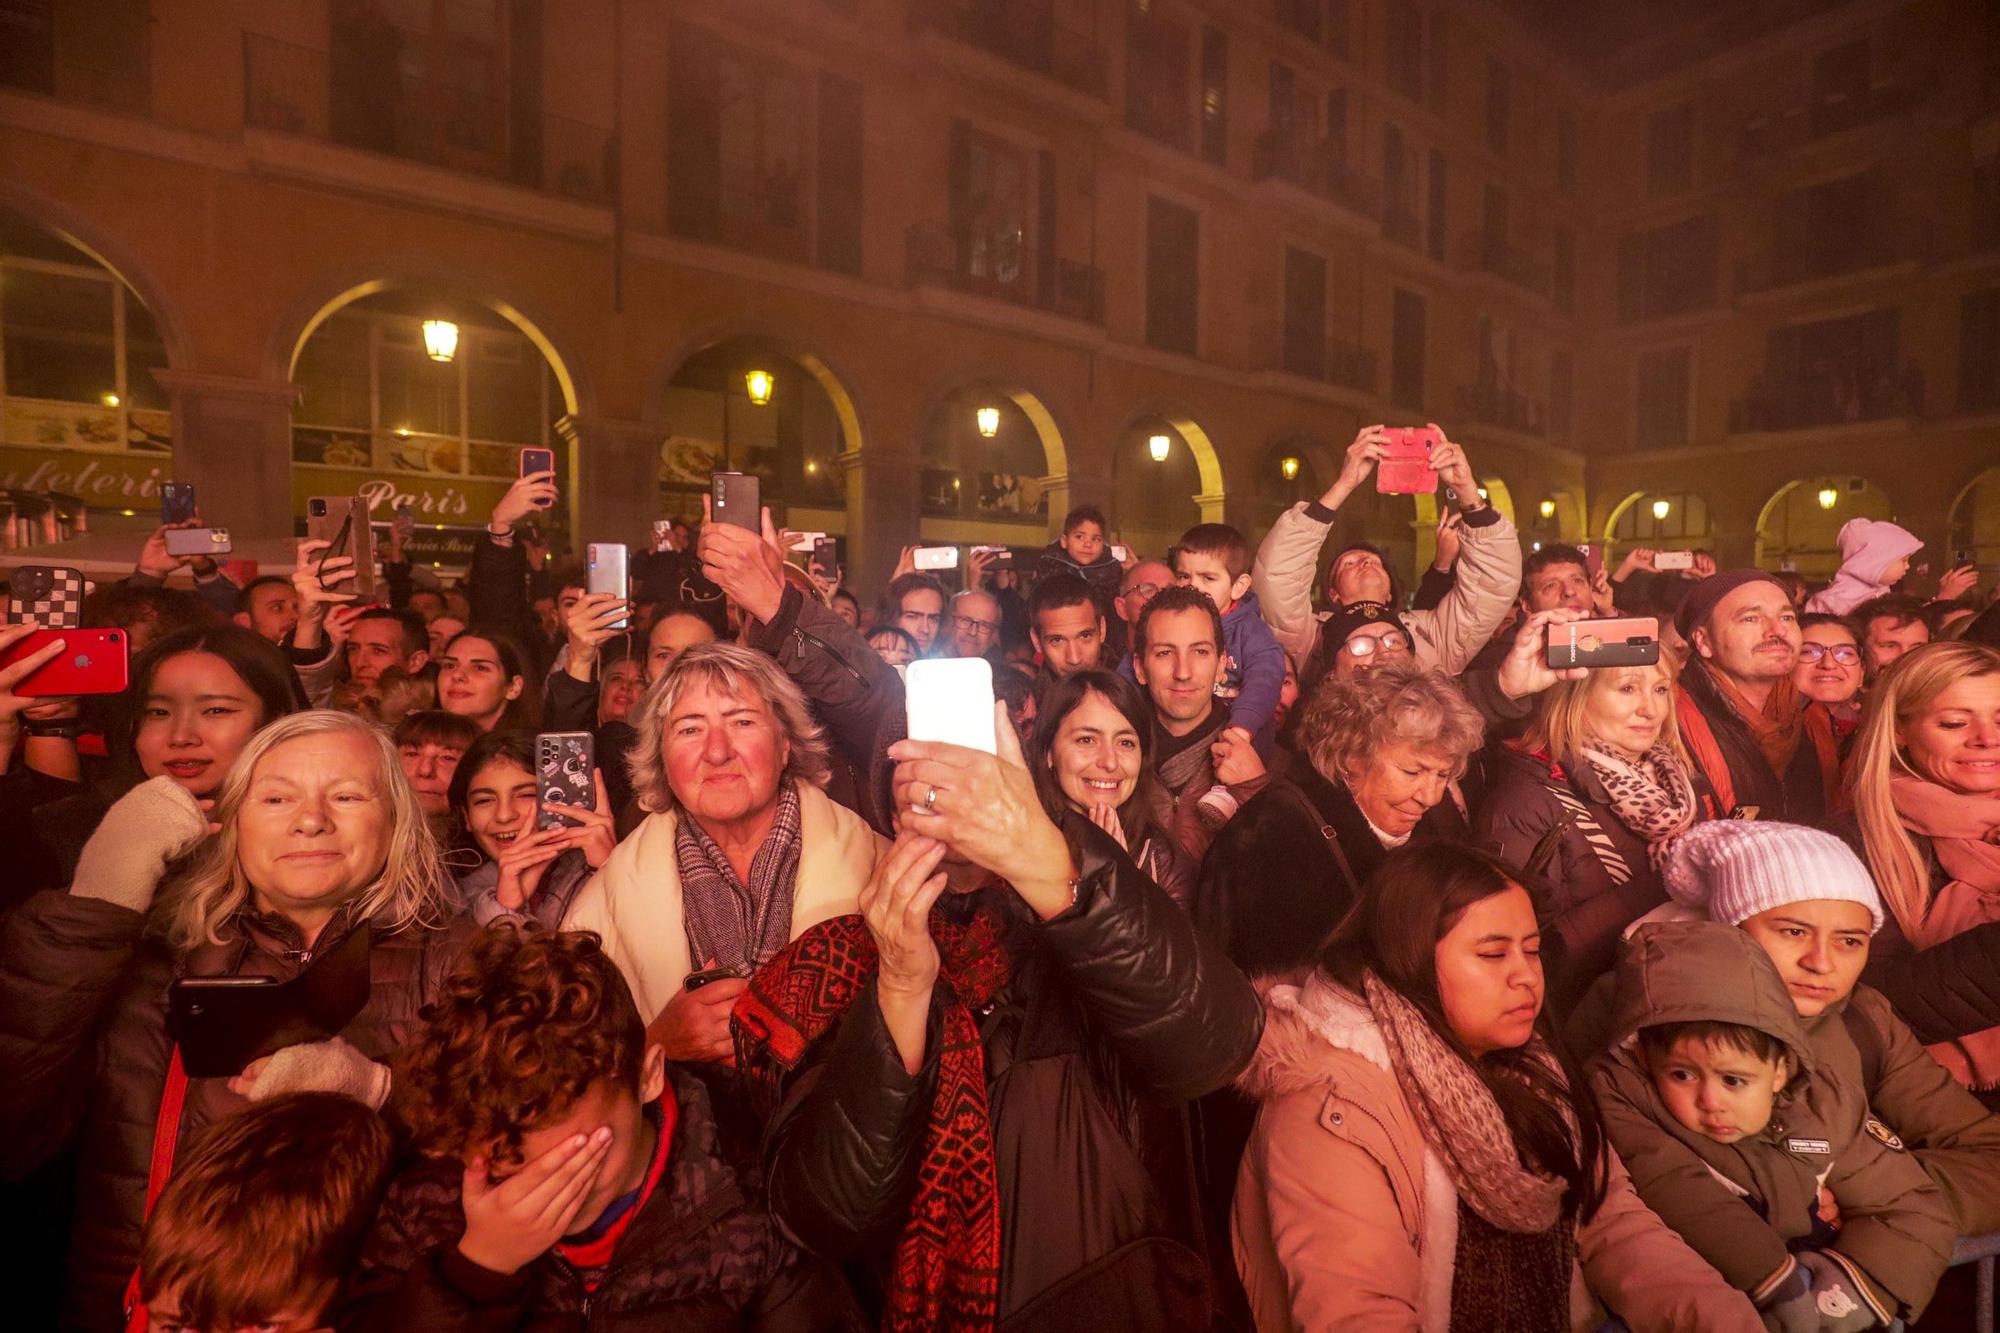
x,y
60,728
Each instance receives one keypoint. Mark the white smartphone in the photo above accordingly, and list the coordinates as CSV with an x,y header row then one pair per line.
x,y
951,700
936,557
1667,560
606,572
1120,554
805,541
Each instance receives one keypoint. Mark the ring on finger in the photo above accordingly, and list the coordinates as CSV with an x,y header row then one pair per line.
x,y
930,798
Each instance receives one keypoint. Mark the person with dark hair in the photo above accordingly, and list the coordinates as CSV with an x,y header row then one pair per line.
x,y
483,675
1760,750
382,637
269,607
145,612
1177,650
1890,626
522,871
847,606
1016,689
1214,559
156,564
566,1165
1488,572
331,642
893,644
265,1217
1557,575
1425,1155
430,744
1830,670
914,604
1083,550
1093,754
1066,622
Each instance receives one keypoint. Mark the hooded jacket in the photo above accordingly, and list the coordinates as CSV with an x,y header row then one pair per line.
x,y
1745,1206
1868,546
1345,1219
1103,574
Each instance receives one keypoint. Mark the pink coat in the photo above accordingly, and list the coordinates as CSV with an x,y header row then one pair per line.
x,y
1344,1219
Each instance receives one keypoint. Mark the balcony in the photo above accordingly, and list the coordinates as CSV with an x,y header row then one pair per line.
x,y
296,90
1829,397
1318,168
1021,33
1492,255
932,256
1792,265
1798,125
1489,404
1344,365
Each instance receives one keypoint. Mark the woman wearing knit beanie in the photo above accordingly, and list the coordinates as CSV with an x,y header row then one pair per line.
x,y
1808,900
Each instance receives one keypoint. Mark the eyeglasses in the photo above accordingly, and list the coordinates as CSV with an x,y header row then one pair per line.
x,y
1367,645
968,625
1145,592
1844,653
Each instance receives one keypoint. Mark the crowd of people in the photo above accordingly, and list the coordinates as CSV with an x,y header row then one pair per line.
x,y
1307,953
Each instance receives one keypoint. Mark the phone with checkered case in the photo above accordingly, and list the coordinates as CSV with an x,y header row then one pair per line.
x,y
47,595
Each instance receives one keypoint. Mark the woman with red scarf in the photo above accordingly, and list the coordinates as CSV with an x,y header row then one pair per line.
x,y
977,1083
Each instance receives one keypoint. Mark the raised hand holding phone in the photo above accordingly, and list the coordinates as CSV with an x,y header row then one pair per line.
x,y
746,564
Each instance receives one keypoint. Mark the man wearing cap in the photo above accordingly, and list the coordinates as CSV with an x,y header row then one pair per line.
x,y
1763,754
1489,566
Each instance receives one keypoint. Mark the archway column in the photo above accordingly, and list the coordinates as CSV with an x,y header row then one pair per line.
x,y
233,440
1067,490
616,477
883,504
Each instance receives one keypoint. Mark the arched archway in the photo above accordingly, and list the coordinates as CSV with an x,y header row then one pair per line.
x,y
423,393
1973,525
81,412
1799,526
1291,469
1661,520
1165,478
991,451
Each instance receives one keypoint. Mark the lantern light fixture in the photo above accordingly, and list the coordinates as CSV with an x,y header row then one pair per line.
x,y
758,384
1289,465
1548,509
1157,446
1661,508
109,399
989,421
1828,497
440,339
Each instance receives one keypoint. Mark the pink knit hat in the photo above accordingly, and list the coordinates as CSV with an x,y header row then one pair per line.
x,y
1732,869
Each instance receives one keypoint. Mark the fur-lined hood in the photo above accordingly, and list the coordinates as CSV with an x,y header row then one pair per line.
x,y
1304,1023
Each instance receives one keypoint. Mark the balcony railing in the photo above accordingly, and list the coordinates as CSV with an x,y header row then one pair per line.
x,y
1796,125
298,90
1831,397
1785,266
1318,167
1487,254
1345,365
933,256
1021,34
1506,408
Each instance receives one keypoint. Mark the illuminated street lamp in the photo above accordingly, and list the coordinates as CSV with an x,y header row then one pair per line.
x,y
1828,497
1548,509
1157,446
989,421
1661,508
440,339
757,383
108,399
1290,467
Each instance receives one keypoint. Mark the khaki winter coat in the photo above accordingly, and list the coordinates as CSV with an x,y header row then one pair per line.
x,y
1345,1220
1740,1205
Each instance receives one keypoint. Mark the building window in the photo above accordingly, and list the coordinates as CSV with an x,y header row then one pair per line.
x,y
1499,104
1336,125
1686,523
1399,190
1173,276
1666,381
1406,360
1562,388
736,148
1563,273
1493,229
992,196
1284,115
1438,217
1832,371
1305,313
1821,230
1840,93
1979,351
1156,75
1338,33
1301,16
1565,153
1214,96
97,52
1670,151
1405,50
1668,270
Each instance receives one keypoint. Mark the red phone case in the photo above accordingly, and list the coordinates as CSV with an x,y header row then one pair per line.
x,y
93,661
1406,468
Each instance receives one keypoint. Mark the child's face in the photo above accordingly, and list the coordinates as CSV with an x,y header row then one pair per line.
x,y
1084,542
1716,1090
620,1107
163,1315
1207,574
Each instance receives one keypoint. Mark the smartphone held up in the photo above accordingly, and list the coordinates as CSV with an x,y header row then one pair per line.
x,y
1405,467
1616,642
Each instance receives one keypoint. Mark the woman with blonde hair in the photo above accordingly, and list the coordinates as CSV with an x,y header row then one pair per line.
x,y
315,870
1578,805
1925,777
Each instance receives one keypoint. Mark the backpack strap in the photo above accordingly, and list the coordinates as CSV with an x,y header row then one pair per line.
x,y
1576,812
1326,833
166,1137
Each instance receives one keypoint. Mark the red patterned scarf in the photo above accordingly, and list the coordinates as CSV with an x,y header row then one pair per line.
x,y
947,1264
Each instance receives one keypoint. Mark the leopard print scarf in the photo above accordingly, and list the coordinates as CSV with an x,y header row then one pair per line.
x,y
1653,797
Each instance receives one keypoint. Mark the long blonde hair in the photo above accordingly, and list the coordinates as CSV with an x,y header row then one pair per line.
x,y
1558,728
409,891
1900,696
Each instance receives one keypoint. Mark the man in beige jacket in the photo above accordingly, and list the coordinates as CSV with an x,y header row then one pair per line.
x,y
1489,565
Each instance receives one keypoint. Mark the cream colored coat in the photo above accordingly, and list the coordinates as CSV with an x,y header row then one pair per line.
x,y
634,902
1344,1219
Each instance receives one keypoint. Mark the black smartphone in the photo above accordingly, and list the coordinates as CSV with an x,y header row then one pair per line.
x,y
735,498
47,595
223,1023
539,460
176,501
342,522
826,558
702,976
563,764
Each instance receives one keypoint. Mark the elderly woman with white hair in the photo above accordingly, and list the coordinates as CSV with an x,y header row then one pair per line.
x,y
1385,750
318,881
742,850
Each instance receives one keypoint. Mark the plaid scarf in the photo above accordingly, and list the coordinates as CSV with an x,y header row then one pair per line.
x,y
728,921
946,1272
